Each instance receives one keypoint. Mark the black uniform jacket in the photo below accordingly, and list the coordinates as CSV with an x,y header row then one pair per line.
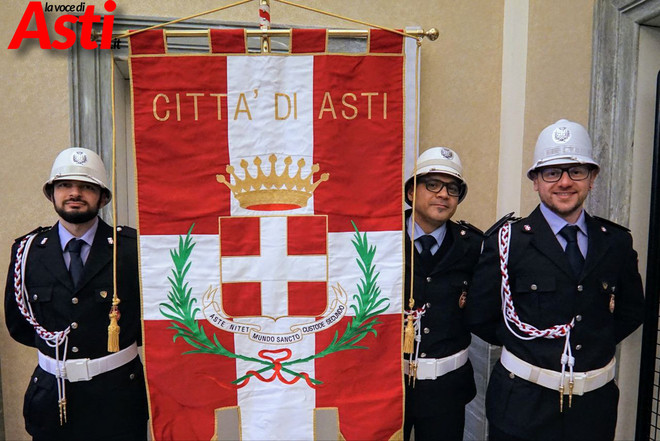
x,y
443,332
117,396
546,293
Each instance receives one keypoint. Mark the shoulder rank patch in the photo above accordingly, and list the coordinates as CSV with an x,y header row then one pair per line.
x,y
496,226
466,225
612,224
37,230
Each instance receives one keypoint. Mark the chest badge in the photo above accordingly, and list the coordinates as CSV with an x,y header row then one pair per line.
x,y
612,296
462,299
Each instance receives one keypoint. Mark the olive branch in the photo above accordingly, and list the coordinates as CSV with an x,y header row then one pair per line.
x,y
182,310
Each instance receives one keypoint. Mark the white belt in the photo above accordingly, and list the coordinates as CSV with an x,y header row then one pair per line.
x,y
432,368
583,381
84,369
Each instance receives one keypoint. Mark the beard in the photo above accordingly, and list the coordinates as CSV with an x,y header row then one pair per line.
x,y
78,217
565,209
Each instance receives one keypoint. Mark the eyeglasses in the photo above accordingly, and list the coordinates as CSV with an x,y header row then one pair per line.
x,y
576,173
436,186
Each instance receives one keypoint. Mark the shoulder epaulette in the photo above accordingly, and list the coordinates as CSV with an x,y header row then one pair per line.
x,y
37,230
613,224
469,226
126,231
496,226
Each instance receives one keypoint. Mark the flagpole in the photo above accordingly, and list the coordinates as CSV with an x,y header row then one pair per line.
x,y
264,25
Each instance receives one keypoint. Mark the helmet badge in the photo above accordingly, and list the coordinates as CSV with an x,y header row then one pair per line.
x,y
79,157
561,134
446,153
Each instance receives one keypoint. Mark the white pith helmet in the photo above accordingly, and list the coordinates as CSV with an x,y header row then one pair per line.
x,y
78,164
564,142
438,160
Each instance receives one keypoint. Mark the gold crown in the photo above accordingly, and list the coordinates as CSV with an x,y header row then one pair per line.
x,y
273,191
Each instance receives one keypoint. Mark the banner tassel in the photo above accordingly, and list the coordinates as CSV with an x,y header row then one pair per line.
x,y
409,338
409,335
113,328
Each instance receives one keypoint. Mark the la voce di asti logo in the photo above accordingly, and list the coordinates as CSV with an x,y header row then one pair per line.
x,y
36,11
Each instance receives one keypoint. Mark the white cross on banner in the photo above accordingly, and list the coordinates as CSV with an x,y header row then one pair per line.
x,y
280,274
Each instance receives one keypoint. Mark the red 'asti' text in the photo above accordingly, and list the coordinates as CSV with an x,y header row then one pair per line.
x,y
35,10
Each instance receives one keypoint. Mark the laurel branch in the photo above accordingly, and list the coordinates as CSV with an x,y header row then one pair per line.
x,y
182,310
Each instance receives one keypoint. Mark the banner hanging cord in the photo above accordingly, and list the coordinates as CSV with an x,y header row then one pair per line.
x,y
408,335
128,34
352,20
113,331
431,34
411,301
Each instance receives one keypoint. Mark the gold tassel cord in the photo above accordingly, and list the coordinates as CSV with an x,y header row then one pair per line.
x,y
113,328
409,333
409,336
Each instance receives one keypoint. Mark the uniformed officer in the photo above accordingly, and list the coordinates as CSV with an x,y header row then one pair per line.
x,y
439,377
558,291
60,298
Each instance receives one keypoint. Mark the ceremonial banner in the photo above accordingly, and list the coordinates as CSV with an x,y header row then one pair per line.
x,y
270,230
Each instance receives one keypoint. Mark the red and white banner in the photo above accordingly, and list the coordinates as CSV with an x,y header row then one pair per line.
x,y
270,229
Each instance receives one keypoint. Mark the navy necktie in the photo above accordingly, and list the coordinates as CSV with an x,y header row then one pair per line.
x,y
575,258
76,266
427,241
